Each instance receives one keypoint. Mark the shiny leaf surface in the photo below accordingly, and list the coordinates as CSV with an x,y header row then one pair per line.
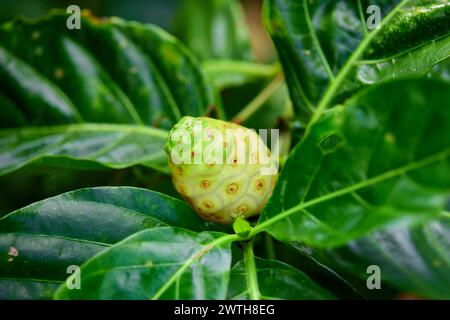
x,y
58,85
380,160
39,242
415,259
161,263
329,44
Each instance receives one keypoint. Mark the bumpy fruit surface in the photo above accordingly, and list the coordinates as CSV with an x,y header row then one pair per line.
x,y
210,172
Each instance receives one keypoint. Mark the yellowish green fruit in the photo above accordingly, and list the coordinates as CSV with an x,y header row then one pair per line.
x,y
220,185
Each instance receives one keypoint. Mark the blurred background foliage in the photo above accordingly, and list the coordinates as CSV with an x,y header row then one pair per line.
x,y
196,22
237,55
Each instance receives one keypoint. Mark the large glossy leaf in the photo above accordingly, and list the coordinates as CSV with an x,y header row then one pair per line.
x,y
84,146
57,85
42,182
55,233
380,160
276,280
161,263
414,260
326,44
214,29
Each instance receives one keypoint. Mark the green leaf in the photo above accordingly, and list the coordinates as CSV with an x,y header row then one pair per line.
x,y
68,229
234,73
327,51
276,280
214,29
381,160
415,259
161,263
100,96
83,146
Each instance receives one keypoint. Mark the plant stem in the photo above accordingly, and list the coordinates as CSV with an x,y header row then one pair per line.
x,y
250,270
259,100
248,70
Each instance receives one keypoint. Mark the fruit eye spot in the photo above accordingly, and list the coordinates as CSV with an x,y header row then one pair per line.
x,y
208,204
182,189
234,162
232,188
205,184
243,208
210,165
260,184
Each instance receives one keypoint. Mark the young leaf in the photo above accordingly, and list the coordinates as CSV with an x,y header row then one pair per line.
x,y
414,259
381,160
161,263
63,83
276,280
328,49
50,235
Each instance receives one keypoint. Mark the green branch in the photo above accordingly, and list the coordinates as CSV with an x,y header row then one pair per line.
x,y
259,100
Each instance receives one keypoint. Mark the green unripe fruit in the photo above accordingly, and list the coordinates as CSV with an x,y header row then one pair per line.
x,y
221,169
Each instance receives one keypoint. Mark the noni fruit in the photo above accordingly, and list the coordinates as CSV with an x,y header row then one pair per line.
x,y
221,169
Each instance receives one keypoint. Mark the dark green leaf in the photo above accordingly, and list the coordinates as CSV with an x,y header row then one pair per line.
x,y
326,44
22,289
84,145
413,259
161,263
55,233
381,160
276,280
127,76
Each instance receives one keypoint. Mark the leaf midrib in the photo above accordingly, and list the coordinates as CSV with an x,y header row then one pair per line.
x,y
30,280
225,239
